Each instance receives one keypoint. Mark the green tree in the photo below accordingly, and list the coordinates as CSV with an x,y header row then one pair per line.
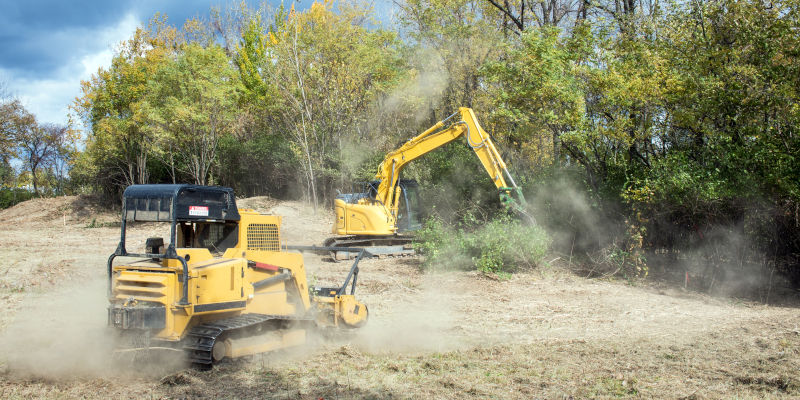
x,y
539,93
15,121
191,103
119,145
324,71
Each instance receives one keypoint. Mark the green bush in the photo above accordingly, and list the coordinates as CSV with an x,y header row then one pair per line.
x,y
500,246
12,196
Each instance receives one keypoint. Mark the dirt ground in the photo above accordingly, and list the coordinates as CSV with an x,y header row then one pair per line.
x,y
541,334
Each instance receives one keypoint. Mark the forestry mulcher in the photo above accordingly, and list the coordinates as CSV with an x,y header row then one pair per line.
x,y
222,287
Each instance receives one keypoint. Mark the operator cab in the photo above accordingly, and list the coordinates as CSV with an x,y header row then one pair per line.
x,y
408,218
199,216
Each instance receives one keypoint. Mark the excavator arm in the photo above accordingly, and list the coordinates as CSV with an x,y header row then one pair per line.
x,y
376,216
388,192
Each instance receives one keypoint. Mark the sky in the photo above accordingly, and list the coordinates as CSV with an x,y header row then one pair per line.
x,y
48,46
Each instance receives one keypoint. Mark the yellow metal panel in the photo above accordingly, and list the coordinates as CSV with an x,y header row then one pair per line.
x,y
297,286
196,256
160,287
265,231
219,282
365,219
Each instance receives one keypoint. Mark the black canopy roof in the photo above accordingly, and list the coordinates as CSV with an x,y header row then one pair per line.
x,y
181,202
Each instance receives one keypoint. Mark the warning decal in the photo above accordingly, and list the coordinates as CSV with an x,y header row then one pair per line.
x,y
198,211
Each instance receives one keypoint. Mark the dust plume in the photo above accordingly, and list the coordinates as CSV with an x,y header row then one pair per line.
x,y
567,213
425,87
394,117
426,321
60,334
724,260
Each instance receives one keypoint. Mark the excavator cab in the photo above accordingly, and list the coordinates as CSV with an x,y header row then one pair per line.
x,y
408,214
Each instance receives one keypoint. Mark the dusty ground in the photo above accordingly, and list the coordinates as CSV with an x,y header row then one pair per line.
x,y
541,334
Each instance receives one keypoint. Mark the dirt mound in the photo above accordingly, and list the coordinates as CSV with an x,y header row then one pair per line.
x,y
301,225
52,209
261,204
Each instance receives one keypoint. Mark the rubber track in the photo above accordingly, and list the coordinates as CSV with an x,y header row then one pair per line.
x,y
362,241
200,340
366,242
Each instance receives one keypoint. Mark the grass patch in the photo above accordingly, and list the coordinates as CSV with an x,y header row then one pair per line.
x,y
96,224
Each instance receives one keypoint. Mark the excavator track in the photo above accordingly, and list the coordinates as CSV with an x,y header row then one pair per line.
x,y
199,342
392,246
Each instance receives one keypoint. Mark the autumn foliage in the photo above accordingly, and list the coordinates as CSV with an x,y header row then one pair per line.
x,y
673,126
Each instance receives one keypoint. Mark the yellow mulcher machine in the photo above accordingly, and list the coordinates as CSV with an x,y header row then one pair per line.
x,y
222,287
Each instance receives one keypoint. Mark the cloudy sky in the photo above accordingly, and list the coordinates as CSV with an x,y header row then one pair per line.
x,y
48,46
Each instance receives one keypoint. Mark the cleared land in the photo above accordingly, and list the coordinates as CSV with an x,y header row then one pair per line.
x,y
543,334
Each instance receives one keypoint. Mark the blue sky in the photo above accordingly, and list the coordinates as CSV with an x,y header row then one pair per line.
x,y
48,46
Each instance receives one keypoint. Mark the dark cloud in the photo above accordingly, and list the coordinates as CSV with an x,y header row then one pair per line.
x,y
48,46
56,15
38,37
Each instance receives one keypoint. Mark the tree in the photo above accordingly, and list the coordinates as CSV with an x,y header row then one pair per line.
x,y
541,12
119,145
39,147
540,93
324,71
15,121
454,39
192,104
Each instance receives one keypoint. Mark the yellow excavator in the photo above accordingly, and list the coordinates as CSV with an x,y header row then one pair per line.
x,y
380,218
222,287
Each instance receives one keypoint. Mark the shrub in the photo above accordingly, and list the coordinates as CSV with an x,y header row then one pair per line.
x,y
12,196
500,246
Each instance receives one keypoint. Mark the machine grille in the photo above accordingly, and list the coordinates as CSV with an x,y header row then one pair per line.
x,y
142,286
263,237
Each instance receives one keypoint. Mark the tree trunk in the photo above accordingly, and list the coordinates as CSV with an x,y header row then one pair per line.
x,y
33,179
556,148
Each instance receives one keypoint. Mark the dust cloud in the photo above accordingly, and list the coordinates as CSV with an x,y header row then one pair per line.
x,y
427,321
60,334
722,260
425,86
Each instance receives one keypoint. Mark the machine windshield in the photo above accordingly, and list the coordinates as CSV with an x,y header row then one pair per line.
x,y
216,237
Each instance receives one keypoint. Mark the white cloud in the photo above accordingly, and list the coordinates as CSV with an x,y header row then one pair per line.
x,y
111,37
49,97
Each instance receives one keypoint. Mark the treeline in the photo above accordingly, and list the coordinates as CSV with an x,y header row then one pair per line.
x,y
642,130
42,152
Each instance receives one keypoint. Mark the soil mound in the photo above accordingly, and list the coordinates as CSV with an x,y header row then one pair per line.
x,y
53,209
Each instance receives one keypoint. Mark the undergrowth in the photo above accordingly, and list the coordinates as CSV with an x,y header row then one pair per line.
x,y
501,246
12,196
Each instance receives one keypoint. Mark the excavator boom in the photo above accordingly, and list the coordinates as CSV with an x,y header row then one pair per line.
x,y
436,137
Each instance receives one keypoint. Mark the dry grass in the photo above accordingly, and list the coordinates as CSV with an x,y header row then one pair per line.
x,y
542,334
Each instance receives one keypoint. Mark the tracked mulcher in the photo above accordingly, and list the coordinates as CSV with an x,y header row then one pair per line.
x,y
221,287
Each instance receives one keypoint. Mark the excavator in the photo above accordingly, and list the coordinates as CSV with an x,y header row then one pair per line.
x,y
381,217
222,287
